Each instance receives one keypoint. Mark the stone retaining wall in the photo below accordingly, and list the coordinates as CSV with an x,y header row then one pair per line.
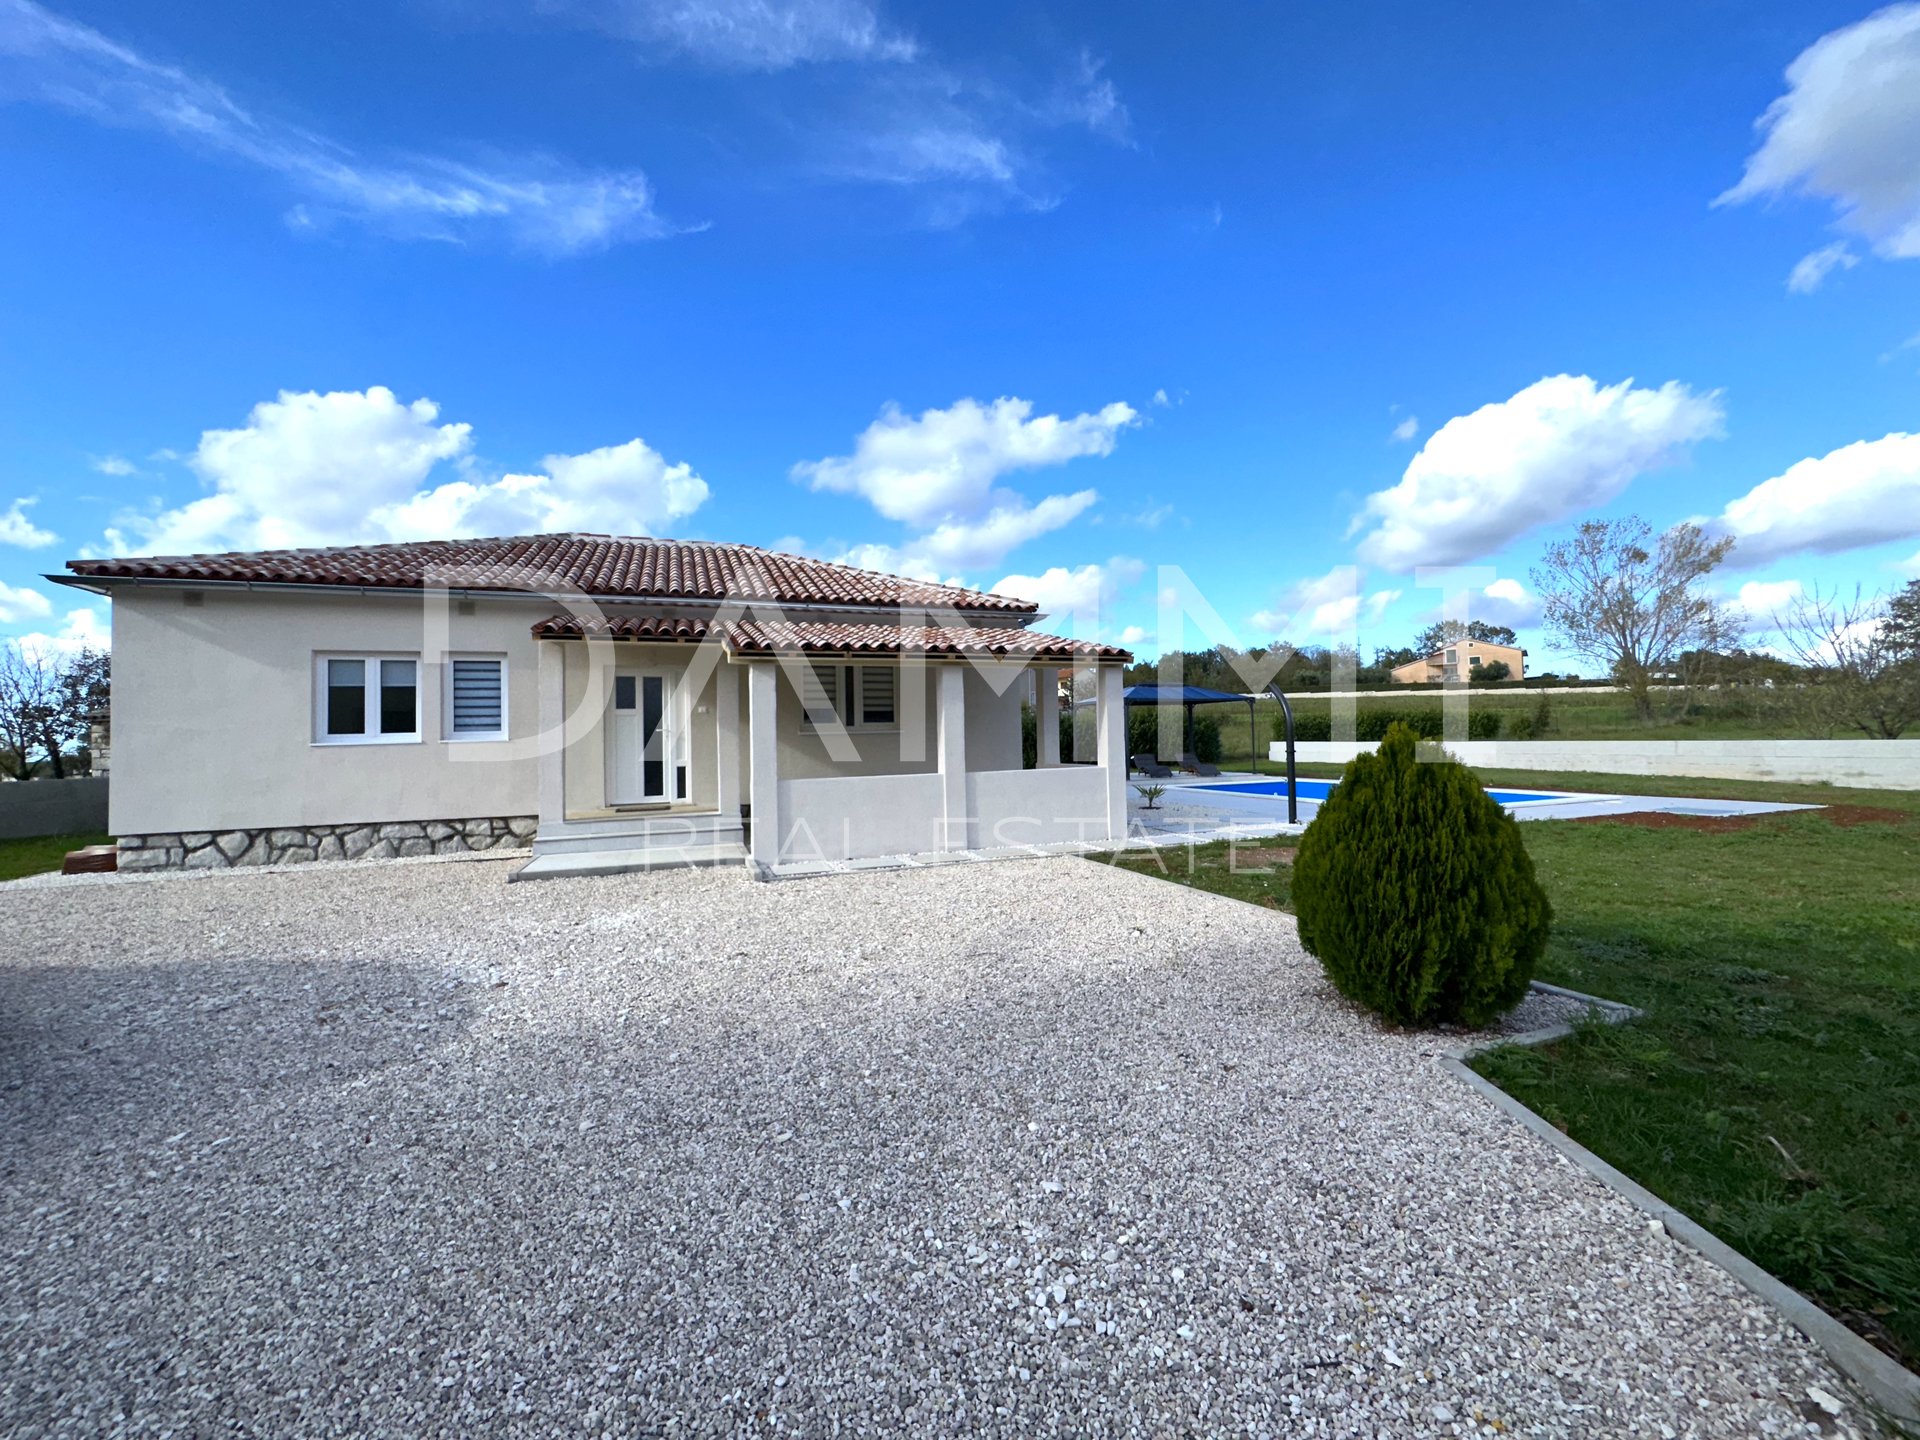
x,y
204,850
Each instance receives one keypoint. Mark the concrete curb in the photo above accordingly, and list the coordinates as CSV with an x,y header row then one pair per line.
x,y
1886,1382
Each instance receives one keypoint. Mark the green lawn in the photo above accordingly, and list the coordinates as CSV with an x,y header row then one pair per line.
x,y
1772,1090
41,853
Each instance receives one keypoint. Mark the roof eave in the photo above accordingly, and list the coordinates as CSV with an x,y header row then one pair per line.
x,y
103,584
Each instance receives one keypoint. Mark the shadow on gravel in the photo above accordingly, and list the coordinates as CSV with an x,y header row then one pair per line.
x,y
89,1056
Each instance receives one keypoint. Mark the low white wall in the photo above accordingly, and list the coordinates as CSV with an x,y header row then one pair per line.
x,y
857,817
1036,807
1859,764
53,807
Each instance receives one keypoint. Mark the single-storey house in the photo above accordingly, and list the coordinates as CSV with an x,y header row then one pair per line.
x,y
1460,662
611,702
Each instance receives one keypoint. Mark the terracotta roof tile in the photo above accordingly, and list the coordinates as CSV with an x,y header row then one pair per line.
x,y
604,566
807,637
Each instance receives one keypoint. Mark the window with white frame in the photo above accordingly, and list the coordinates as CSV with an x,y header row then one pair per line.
x,y
366,699
861,697
476,699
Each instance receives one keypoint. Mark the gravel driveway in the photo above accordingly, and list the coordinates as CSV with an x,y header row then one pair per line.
x,y
1026,1149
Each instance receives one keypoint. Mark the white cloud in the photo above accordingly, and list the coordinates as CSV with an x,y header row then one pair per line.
x,y
745,34
1378,602
1326,607
540,206
1562,445
1133,634
961,142
17,529
1861,494
112,464
943,464
1847,131
1766,597
887,559
939,471
1160,397
1407,428
85,629
353,466
18,604
966,544
1506,602
1078,598
1812,271
1149,516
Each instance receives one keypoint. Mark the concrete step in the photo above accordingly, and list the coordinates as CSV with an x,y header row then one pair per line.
x,y
547,865
632,833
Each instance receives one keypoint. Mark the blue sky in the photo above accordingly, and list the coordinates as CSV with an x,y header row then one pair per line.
x,y
1295,299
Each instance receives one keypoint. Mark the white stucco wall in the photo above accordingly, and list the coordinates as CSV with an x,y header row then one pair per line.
x,y
860,816
1869,764
1010,808
994,695
213,713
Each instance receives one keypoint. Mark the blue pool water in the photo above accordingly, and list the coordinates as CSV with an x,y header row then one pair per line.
x,y
1320,789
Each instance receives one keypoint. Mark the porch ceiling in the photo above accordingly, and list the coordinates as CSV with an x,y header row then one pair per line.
x,y
827,637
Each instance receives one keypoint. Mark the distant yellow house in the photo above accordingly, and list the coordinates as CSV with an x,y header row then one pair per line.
x,y
1461,661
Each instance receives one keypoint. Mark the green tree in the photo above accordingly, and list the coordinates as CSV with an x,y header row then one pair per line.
x,y
1901,623
1414,889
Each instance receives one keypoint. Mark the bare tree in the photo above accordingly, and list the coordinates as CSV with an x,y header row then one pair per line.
x,y
45,702
1617,595
27,682
1862,657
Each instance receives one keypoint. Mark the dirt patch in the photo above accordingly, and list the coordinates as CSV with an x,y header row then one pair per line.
x,y
1259,856
1865,815
1848,815
1660,820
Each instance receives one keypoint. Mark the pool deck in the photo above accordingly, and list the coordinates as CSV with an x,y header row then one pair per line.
x,y
1192,810
1193,813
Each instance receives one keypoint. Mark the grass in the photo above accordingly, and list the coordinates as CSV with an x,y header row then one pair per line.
x,y
41,853
1772,1089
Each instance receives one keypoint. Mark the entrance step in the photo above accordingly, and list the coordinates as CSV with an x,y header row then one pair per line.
x,y
637,832
550,865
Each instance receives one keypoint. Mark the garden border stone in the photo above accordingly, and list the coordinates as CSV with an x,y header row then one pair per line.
x,y
1888,1383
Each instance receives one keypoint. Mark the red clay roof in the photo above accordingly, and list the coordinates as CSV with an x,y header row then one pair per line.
x,y
824,637
598,565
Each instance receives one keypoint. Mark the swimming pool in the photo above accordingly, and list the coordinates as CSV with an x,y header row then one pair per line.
x,y
1317,790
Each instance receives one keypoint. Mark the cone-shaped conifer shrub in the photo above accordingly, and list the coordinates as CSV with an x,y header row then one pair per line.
x,y
1415,891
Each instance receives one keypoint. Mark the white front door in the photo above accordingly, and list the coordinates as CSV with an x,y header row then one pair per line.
x,y
642,757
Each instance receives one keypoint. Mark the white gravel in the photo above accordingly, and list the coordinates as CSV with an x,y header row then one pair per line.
x,y
1024,1149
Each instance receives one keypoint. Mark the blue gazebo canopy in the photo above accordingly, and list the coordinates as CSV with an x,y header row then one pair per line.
x,y
1177,695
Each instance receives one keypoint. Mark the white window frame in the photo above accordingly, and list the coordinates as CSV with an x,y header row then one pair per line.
x,y
847,698
371,659
462,737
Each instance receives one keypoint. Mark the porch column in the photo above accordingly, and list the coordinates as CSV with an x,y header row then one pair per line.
x,y
552,789
1110,715
726,739
955,829
763,772
1046,717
